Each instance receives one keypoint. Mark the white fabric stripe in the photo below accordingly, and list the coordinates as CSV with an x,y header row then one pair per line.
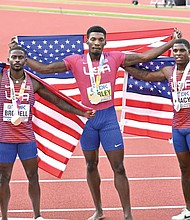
x,y
147,98
148,112
52,162
118,94
147,126
70,92
141,41
59,117
57,81
62,135
119,81
54,147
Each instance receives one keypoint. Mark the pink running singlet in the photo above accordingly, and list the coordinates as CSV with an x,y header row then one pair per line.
x,y
79,67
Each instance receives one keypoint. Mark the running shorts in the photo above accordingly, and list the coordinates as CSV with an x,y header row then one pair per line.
x,y
25,151
103,128
181,139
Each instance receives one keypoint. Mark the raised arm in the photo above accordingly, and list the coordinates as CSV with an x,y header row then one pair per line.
x,y
42,91
132,59
54,67
146,75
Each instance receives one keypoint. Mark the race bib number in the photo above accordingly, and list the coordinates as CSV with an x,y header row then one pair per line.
x,y
104,92
24,110
184,99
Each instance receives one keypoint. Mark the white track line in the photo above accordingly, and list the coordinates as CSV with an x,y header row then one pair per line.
x,y
105,209
132,156
103,179
33,219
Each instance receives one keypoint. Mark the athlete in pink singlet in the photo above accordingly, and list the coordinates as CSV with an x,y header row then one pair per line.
x,y
95,74
179,81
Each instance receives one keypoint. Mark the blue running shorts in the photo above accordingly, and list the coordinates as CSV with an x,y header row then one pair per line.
x,y
103,128
181,139
25,151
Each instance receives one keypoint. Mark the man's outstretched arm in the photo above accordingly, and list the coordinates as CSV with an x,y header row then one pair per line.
x,y
132,59
54,67
148,75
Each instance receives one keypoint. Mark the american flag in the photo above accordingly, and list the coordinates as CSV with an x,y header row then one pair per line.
x,y
54,48
147,108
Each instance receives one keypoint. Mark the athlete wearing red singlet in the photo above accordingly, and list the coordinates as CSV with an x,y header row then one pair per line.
x,y
16,135
181,118
179,82
24,132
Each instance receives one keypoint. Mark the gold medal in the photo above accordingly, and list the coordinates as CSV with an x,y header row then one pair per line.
x,y
95,99
16,120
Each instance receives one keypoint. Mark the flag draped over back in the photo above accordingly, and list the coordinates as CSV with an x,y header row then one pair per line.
x,y
57,132
147,108
54,48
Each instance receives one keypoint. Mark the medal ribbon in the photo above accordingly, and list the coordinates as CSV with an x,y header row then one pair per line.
x,y
179,87
16,101
95,83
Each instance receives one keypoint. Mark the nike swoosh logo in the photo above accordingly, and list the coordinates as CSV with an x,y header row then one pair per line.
x,y
117,145
187,217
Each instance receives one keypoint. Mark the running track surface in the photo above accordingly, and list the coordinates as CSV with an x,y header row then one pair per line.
x,y
151,165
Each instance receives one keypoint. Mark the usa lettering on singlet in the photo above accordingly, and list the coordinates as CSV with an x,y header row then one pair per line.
x,y
23,132
79,67
181,118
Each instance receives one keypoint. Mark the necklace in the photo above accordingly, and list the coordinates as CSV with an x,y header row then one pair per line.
x,y
17,80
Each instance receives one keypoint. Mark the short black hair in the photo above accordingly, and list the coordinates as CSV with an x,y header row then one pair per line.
x,y
17,48
96,28
182,41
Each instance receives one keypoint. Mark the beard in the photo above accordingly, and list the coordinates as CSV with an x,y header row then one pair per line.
x,y
17,69
96,54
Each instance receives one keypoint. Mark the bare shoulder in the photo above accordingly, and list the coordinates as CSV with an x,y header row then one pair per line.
x,y
167,70
36,85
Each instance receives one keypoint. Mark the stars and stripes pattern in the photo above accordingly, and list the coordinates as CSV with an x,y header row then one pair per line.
x,y
54,48
147,108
